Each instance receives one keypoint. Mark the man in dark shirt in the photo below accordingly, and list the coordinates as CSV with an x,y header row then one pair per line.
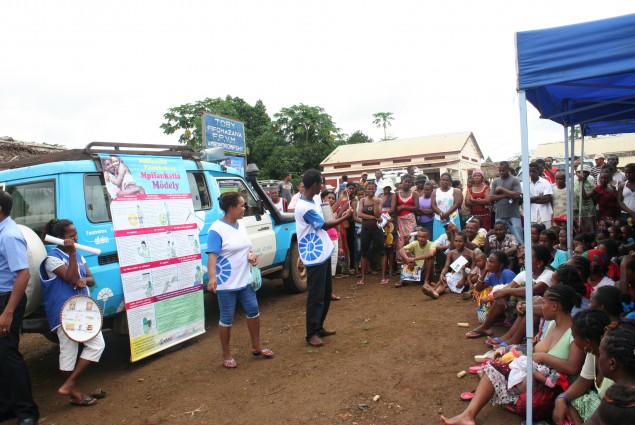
x,y
506,192
285,188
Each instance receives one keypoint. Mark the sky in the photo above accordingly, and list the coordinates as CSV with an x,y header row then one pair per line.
x,y
73,72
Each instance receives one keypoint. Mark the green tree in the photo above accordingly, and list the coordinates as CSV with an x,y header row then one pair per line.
x,y
357,137
383,120
309,133
488,160
186,119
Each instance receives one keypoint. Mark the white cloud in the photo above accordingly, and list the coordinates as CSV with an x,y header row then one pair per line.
x,y
74,72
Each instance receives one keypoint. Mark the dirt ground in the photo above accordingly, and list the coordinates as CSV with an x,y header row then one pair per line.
x,y
394,360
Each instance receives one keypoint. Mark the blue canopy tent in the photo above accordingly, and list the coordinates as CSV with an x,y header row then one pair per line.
x,y
582,74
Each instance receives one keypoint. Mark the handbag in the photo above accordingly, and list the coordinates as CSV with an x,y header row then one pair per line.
x,y
256,278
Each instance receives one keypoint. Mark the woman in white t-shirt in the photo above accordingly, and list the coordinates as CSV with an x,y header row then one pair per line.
x,y
229,257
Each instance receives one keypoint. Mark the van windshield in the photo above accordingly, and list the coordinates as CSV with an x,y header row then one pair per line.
x,y
33,203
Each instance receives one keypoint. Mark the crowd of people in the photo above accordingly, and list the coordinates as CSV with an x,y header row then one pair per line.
x,y
435,234
471,243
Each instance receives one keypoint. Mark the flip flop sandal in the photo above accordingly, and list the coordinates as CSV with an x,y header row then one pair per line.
x,y
230,364
476,369
492,341
383,281
467,396
429,292
84,401
335,297
360,282
265,352
98,394
478,333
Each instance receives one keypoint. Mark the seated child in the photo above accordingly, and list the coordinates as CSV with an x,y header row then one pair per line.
x,y
457,279
419,253
460,250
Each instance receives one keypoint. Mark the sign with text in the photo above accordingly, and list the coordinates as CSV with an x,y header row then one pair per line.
x,y
220,132
158,247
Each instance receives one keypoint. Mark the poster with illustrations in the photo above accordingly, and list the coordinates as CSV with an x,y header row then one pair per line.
x,y
410,272
158,249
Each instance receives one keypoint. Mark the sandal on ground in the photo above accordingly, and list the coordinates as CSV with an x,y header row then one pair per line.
x,y
98,394
467,396
401,283
361,282
335,297
478,333
83,401
492,341
429,292
264,352
230,363
383,281
476,369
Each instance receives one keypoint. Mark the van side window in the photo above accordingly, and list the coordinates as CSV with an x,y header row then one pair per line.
x,y
33,203
96,198
199,190
237,185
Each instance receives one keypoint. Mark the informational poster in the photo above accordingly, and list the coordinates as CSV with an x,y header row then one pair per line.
x,y
158,247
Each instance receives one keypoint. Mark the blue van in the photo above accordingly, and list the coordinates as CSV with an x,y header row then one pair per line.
x,y
70,184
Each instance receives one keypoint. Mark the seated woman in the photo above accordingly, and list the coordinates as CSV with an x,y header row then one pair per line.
x,y
541,278
564,275
580,400
616,362
555,357
64,274
442,285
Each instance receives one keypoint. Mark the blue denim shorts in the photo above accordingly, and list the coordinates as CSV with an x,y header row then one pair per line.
x,y
227,304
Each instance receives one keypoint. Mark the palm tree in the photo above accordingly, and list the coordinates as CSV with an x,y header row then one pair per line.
x,y
382,120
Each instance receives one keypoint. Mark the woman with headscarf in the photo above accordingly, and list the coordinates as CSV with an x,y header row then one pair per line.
x,y
477,199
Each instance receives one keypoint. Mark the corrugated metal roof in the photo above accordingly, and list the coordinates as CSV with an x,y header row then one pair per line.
x,y
400,148
606,144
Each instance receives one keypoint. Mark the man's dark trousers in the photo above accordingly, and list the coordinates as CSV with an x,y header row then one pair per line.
x,y
320,286
15,384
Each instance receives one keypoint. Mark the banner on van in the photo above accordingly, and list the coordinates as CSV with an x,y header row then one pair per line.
x,y
159,251
221,132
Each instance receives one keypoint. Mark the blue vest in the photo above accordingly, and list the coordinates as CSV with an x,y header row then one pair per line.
x,y
56,290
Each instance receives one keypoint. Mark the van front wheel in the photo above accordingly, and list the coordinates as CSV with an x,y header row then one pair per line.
x,y
296,282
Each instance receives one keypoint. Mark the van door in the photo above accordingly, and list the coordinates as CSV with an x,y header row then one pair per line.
x,y
259,226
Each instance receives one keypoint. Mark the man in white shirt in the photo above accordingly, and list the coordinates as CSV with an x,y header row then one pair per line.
x,y
540,192
379,182
315,248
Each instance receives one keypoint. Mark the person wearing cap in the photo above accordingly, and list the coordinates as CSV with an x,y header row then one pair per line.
x,y
587,211
599,164
477,199
363,182
626,195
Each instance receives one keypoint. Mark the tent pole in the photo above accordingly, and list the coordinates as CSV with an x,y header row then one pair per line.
x,y
571,177
529,314
582,174
567,161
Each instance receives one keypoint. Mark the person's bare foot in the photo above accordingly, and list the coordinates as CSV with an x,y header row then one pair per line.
x,y
457,420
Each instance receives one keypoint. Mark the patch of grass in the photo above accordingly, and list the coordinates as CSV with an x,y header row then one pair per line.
x,y
365,342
